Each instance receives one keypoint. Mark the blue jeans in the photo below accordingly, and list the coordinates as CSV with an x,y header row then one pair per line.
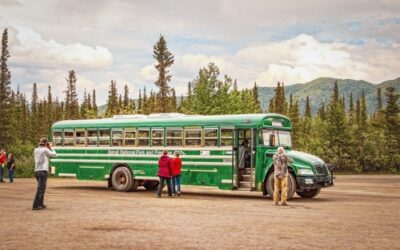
x,y
11,175
1,173
161,185
41,177
176,184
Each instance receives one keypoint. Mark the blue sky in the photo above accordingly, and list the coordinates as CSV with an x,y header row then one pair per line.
x,y
262,41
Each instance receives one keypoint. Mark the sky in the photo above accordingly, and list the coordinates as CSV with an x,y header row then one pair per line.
x,y
249,40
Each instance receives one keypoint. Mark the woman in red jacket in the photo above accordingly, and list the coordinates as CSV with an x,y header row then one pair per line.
x,y
176,174
164,173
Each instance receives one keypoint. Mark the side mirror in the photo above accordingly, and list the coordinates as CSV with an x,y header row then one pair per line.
x,y
272,140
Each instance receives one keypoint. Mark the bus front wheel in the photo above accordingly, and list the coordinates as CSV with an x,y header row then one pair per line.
x,y
309,193
122,179
291,185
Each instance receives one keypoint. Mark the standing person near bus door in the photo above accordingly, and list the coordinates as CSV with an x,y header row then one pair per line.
x,y
281,161
42,154
11,167
3,158
176,174
164,173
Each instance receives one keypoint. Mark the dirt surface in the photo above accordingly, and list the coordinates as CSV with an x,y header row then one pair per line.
x,y
358,212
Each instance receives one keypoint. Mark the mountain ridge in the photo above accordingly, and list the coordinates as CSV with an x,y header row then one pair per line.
x,y
320,90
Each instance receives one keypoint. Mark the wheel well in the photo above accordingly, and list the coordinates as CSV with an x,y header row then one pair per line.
x,y
116,165
271,169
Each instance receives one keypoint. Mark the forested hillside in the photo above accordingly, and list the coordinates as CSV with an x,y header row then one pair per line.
x,y
320,89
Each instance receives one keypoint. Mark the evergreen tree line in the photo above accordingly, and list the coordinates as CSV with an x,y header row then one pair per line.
x,y
346,136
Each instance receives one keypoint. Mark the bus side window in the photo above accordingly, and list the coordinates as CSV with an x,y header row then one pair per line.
x,y
174,137
130,138
226,137
57,138
68,138
91,137
143,137
193,137
157,137
80,137
104,137
211,137
116,136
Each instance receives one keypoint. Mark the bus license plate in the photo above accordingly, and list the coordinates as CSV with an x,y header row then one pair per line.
x,y
309,181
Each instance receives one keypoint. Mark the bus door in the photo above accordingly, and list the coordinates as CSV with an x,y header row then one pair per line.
x,y
245,159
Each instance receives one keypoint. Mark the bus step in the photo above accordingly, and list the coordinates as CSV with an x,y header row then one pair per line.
x,y
247,177
244,184
249,171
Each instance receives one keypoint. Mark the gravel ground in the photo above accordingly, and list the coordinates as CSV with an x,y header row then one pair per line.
x,y
358,212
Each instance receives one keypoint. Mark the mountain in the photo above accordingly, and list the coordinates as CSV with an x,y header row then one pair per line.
x,y
320,90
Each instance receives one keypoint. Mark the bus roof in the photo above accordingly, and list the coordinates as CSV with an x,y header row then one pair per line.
x,y
178,120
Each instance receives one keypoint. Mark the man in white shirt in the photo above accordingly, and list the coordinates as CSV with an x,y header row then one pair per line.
x,y
42,154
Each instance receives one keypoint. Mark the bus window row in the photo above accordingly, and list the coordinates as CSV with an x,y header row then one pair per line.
x,y
144,137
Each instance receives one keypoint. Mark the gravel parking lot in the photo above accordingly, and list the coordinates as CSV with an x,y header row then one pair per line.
x,y
358,212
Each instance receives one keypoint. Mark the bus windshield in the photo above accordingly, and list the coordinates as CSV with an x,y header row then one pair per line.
x,y
281,138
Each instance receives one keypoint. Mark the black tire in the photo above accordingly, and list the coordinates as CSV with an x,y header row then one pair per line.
x,y
122,179
308,194
291,185
151,185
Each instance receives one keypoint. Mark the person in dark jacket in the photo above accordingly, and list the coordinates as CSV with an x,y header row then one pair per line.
x,y
164,173
11,167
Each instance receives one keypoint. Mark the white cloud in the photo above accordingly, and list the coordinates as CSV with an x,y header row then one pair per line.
x,y
300,59
30,49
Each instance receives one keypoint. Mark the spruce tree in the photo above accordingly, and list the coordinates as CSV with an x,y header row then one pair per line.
x,y
112,103
5,91
271,105
145,104
139,109
257,105
71,99
363,112
173,100
337,132
351,110
392,125
307,112
321,112
164,60
34,126
94,104
126,97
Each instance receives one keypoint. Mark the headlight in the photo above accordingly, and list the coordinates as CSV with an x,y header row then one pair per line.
x,y
305,172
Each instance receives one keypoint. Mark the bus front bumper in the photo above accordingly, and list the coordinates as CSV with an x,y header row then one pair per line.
x,y
314,182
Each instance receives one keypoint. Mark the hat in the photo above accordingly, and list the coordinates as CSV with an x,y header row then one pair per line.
x,y
43,141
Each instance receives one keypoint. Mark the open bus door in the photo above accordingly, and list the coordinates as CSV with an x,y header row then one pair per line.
x,y
244,162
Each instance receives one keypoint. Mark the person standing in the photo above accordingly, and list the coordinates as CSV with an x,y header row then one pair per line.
x,y
176,174
3,158
11,167
281,161
164,173
42,153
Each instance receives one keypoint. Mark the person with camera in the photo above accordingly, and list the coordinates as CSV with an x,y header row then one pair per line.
x,y
42,154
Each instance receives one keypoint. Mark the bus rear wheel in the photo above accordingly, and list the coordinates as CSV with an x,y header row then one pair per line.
x,y
308,194
291,186
122,179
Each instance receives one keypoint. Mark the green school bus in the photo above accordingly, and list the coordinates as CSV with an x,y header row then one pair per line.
x,y
230,152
